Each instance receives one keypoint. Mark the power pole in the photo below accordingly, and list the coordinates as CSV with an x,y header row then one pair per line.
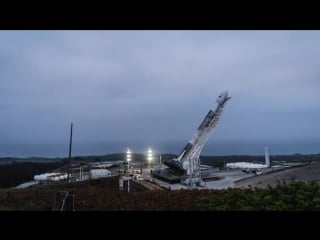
x,y
69,163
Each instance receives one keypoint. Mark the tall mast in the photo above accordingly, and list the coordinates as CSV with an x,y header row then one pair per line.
x,y
70,146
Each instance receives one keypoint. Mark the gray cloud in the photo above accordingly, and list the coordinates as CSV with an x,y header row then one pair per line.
x,y
157,85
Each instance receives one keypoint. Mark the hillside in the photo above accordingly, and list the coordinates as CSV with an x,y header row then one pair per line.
x,y
103,195
14,171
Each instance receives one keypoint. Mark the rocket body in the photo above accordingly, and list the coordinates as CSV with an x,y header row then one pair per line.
x,y
193,148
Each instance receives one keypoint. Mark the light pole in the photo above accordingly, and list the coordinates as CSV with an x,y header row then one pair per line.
x,y
69,162
150,157
128,159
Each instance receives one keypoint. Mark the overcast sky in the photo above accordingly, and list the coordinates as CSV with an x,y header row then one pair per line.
x,y
156,86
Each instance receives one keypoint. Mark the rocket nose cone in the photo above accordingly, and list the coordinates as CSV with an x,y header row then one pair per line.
x,y
223,94
223,97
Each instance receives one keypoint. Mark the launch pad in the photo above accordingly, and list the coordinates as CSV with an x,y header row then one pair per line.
x,y
166,176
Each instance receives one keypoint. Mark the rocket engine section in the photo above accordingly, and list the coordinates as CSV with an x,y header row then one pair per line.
x,y
175,166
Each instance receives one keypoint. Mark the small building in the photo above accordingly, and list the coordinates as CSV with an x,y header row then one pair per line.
x,y
245,165
124,184
51,177
99,173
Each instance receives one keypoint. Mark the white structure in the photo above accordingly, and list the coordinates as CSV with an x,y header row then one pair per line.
x,y
99,173
245,165
101,164
266,154
188,161
51,177
124,184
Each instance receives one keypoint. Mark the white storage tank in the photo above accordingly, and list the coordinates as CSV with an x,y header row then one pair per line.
x,y
43,177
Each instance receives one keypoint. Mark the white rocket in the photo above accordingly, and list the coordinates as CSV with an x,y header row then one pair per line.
x,y
188,160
